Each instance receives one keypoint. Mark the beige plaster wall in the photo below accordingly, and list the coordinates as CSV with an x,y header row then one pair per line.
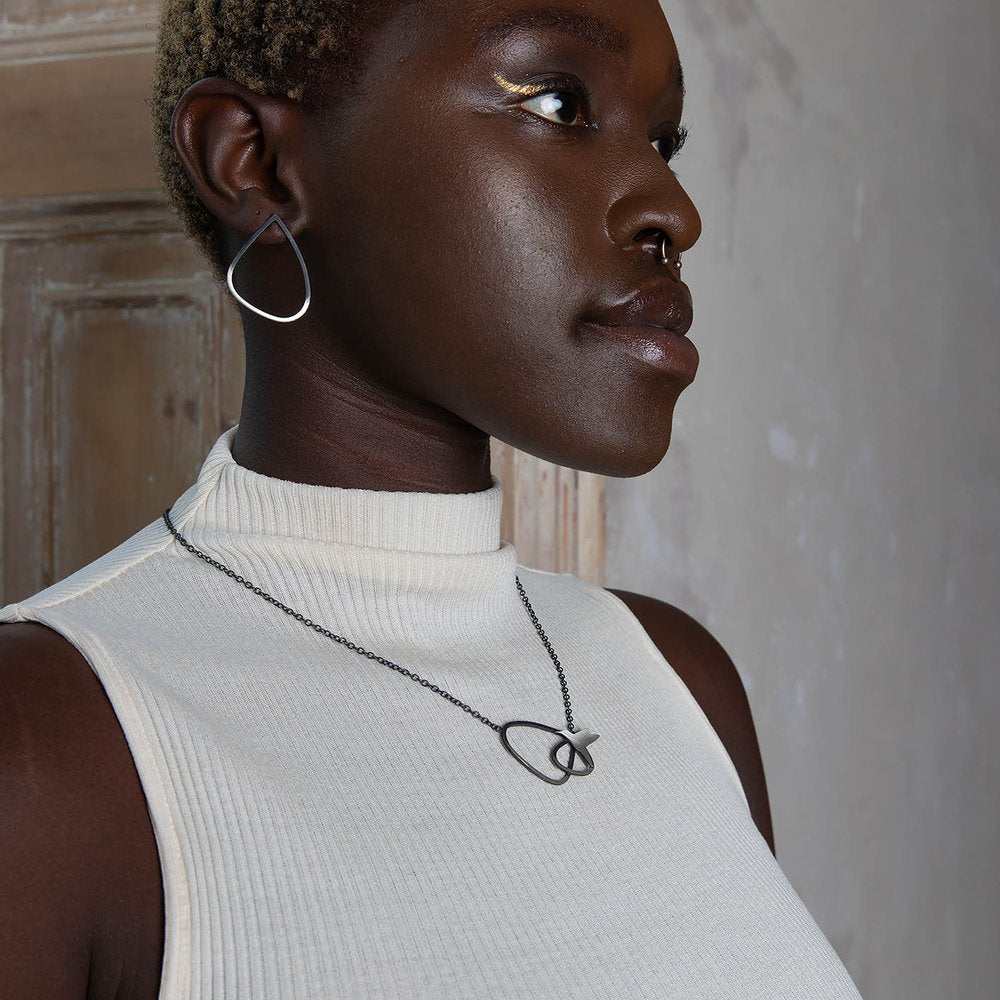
x,y
830,504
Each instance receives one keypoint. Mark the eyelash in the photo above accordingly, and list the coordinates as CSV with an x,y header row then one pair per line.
x,y
677,136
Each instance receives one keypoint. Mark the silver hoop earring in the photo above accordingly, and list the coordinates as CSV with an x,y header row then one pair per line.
x,y
664,259
274,217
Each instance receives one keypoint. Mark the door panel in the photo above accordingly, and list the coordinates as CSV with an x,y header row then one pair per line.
x,y
121,359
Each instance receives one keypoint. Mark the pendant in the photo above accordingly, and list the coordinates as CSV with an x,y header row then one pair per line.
x,y
577,743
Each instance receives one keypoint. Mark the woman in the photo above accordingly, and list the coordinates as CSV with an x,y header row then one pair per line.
x,y
449,221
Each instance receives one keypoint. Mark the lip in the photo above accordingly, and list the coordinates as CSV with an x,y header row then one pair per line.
x,y
664,304
651,324
669,352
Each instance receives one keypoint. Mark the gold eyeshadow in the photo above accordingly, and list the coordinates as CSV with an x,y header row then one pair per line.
x,y
524,89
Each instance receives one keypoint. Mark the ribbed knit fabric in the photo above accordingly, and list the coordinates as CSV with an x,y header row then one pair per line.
x,y
329,828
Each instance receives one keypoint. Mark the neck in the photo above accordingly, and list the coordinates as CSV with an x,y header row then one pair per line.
x,y
309,419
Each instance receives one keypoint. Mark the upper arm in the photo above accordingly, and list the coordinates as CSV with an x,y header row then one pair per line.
x,y
712,677
48,846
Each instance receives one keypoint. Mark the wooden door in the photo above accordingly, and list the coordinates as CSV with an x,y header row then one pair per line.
x,y
121,360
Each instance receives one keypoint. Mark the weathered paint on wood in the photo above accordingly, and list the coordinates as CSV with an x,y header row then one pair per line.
x,y
120,359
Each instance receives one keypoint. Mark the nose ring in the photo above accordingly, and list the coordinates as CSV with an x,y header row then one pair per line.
x,y
664,259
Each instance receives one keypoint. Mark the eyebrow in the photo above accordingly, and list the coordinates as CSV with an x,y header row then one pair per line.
x,y
585,27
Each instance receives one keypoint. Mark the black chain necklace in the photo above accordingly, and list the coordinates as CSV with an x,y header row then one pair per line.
x,y
576,740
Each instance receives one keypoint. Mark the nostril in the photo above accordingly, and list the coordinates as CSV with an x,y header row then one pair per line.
x,y
650,239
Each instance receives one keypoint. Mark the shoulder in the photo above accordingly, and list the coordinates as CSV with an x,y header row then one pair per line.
x,y
712,678
44,872
133,562
72,840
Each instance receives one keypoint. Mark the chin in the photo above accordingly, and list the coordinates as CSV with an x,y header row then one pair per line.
x,y
623,438
636,450
622,457
635,462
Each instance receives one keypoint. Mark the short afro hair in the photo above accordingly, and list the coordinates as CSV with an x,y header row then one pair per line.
x,y
274,47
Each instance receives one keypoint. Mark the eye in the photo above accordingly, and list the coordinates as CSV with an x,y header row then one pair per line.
x,y
563,99
565,107
669,146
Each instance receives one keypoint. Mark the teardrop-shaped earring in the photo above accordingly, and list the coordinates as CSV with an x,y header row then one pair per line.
x,y
274,217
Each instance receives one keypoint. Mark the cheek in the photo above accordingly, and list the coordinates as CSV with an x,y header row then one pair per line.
x,y
459,270
466,255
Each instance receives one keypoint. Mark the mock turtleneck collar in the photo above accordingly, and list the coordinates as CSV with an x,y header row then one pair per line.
x,y
406,573
233,498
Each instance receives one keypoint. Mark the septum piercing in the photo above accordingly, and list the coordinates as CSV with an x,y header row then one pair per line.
x,y
664,259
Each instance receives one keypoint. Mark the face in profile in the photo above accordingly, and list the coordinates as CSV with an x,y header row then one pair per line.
x,y
486,214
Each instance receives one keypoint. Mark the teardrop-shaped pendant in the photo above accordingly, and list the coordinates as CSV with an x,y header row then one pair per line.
x,y
577,743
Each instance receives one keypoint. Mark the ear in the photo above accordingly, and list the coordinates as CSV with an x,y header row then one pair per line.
x,y
236,148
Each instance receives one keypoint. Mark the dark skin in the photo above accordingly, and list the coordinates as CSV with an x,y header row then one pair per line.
x,y
479,233
454,237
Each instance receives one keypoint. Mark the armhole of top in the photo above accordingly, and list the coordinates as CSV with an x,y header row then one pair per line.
x,y
175,970
698,711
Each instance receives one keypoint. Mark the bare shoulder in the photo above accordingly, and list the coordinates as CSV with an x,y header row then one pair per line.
x,y
711,676
75,839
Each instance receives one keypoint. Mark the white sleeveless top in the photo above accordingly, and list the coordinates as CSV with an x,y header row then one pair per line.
x,y
330,828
